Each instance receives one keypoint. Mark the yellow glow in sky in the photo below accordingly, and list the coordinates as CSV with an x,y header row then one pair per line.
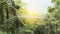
x,y
37,6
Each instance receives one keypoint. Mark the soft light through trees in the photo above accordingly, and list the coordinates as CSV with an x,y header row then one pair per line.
x,y
29,17
37,6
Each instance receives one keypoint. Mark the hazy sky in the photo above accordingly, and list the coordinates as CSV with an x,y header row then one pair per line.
x,y
38,6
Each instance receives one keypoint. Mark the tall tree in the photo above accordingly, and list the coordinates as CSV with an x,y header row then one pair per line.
x,y
7,10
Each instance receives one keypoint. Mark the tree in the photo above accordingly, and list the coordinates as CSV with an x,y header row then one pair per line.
x,y
52,20
7,10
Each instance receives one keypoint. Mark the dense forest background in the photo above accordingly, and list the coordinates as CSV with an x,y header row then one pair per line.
x,y
10,23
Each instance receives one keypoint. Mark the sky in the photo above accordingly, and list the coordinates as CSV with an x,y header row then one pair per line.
x,y
37,6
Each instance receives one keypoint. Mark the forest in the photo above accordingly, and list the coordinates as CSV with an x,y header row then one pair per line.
x,y
12,21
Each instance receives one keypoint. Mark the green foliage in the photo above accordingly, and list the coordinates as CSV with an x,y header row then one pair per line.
x,y
8,23
11,24
52,21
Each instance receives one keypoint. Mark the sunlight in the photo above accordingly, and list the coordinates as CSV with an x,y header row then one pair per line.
x,y
37,7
